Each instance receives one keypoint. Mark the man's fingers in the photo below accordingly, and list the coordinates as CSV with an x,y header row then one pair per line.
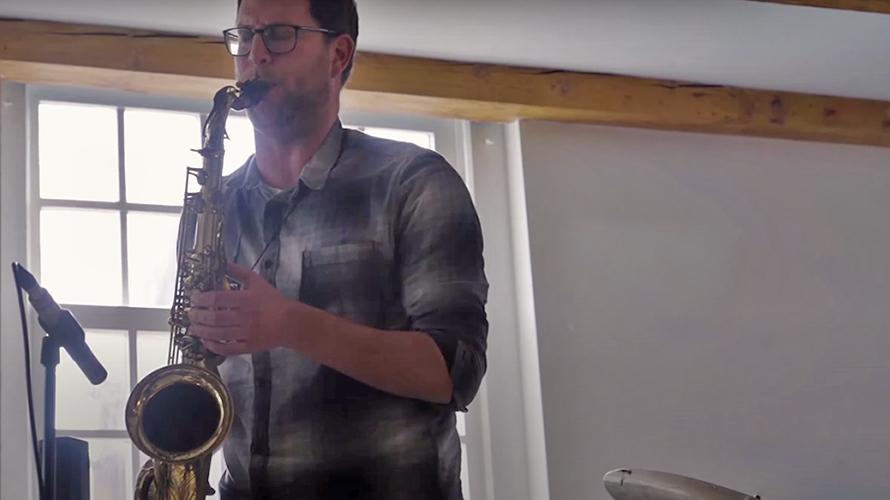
x,y
217,300
239,272
226,349
218,333
210,317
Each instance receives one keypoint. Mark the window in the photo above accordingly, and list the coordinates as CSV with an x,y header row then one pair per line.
x,y
108,177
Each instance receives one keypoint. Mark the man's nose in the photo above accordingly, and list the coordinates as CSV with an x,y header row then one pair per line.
x,y
259,54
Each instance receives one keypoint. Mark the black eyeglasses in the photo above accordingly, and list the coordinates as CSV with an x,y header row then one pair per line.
x,y
279,38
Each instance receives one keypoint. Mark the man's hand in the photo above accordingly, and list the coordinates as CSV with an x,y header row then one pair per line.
x,y
259,317
244,321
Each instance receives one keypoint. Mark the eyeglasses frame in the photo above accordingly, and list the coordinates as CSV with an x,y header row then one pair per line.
x,y
262,33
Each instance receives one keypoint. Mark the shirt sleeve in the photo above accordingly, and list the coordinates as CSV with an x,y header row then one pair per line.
x,y
439,255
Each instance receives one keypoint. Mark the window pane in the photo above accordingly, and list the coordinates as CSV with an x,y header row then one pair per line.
x,y
84,406
240,145
80,255
151,258
158,149
151,351
111,469
78,152
422,139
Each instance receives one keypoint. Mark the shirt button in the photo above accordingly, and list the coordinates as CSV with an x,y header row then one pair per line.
x,y
268,264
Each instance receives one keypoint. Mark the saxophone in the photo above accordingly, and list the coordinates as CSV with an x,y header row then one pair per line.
x,y
180,414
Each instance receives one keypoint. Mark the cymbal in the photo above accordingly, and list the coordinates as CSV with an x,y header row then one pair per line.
x,y
642,484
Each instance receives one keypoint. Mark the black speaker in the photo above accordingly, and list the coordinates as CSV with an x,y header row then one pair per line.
x,y
72,468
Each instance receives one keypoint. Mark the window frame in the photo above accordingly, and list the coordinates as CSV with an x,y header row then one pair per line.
x,y
452,141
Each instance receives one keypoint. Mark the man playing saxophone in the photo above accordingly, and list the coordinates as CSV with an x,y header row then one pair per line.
x,y
359,328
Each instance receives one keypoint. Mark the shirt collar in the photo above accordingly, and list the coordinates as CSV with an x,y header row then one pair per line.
x,y
316,171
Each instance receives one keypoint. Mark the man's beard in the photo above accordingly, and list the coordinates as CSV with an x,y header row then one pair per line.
x,y
292,117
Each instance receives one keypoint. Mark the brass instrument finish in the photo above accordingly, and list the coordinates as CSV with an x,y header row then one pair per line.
x,y
180,414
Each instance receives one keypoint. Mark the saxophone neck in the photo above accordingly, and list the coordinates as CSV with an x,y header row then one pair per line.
x,y
239,97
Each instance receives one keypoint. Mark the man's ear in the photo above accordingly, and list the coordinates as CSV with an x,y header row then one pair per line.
x,y
344,50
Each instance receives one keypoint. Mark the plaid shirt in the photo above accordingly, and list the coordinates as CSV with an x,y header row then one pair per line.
x,y
385,234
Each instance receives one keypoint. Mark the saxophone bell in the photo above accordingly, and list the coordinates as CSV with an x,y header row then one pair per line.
x,y
183,413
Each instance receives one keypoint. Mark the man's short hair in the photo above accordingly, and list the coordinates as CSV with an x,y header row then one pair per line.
x,y
340,16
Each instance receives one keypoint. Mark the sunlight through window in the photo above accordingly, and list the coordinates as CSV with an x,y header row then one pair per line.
x,y
151,258
422,139
240,144
111,463
158,150
80,255
78,158
84,406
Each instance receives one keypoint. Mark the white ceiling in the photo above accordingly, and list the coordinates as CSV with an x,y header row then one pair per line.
x,y
729,42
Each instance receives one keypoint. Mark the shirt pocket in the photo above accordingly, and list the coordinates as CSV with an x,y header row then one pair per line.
x,y
350,280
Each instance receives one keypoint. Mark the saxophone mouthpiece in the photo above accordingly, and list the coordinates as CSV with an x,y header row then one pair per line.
x,y
252,92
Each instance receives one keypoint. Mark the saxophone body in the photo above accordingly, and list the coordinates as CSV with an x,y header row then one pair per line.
x,y
180,414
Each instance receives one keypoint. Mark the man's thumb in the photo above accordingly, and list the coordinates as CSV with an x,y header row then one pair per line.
x,y
239,272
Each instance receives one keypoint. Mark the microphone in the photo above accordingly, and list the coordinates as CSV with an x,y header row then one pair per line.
x,y
62,327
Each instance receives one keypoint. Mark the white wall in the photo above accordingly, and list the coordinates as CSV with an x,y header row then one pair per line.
x,y
17,475
711,306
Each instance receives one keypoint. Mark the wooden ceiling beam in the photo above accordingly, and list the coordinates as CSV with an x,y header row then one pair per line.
x,y
143,61
876,6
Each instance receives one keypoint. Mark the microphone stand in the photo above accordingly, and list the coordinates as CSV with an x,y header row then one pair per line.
x,y
62,331
49,358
